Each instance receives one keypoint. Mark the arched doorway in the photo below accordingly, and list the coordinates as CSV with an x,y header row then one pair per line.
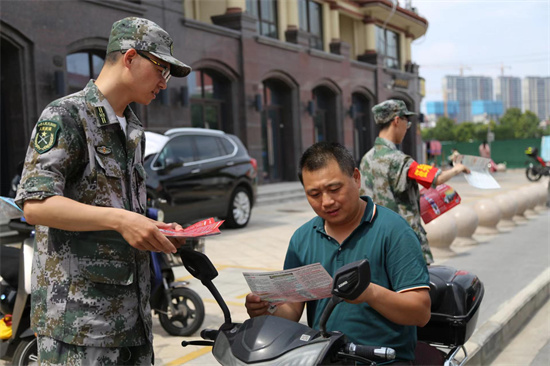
x,y
278,138
14,127
363,128
210,93
327,125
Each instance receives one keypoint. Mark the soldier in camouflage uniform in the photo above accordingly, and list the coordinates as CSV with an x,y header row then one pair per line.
x,y
83,185
391,178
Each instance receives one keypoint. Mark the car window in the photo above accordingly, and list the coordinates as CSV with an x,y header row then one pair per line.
x,y
177,150
209,147
228,146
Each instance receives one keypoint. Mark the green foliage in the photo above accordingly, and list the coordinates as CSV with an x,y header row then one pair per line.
x,y
513,125
444,130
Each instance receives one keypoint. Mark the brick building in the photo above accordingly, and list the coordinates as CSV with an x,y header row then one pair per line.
x,y
281,75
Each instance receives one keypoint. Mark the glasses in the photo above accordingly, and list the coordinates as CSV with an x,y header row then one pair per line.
x,y
409,123
165,69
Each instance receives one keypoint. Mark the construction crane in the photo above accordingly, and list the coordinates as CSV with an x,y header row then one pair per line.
x,y
502,67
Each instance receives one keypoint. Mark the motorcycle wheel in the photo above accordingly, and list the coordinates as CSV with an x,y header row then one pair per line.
x,y
26,353
533,174
189,314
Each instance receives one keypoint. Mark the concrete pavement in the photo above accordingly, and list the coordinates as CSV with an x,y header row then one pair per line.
x,y
513,266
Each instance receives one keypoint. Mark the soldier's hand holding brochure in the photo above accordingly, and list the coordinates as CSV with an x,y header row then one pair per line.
x,y
202,228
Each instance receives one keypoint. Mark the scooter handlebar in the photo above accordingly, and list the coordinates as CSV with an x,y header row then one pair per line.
x,y
209,334
370,352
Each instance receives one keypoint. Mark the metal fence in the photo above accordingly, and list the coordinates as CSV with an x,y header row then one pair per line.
x,y
510,152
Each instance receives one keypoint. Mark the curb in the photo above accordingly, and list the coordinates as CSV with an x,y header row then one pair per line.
x,y
493,335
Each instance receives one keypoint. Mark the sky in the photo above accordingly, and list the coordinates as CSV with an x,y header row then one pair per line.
x,y
481,36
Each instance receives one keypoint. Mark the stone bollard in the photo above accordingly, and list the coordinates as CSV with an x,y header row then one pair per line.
x,y
542,197
531,199
466,224
508,206
489,215
441,233
522,200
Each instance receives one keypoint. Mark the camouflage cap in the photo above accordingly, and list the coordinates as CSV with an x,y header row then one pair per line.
x,y
388,110
144,35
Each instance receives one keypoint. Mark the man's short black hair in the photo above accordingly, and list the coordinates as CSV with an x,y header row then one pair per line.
x,y
318,155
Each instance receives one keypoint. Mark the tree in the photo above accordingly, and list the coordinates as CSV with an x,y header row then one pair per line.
x,y
527,126
464,132
444,129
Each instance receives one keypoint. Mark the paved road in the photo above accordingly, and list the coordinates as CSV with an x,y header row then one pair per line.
x,y
505,262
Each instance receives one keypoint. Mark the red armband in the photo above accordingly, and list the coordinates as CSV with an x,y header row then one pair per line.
x,y
422,173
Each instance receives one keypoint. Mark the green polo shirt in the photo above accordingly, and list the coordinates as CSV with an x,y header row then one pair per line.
x,y
393,250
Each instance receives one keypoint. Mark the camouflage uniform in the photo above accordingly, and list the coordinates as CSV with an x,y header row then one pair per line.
x,y
384,177
88,288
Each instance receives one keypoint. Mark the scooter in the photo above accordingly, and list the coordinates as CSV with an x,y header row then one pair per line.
x,y
271,340
539,168
180,309
21,347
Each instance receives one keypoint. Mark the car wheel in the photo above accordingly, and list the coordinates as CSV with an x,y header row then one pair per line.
x,y
240,209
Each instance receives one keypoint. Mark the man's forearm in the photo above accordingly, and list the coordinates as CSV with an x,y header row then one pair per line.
x,y
290,310
405,308
66,214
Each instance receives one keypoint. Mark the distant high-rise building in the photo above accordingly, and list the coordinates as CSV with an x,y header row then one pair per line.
x,y
536,96
466,89
508,91
486,110
435,110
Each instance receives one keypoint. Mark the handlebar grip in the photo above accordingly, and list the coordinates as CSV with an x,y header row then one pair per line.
x,y
369,352
209,334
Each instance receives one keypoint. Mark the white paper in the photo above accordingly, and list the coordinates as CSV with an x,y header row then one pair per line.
x,y
479,176
9,209
311,282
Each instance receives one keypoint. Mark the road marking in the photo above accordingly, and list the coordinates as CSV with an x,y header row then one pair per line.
x,y
226,266
190,356
232,303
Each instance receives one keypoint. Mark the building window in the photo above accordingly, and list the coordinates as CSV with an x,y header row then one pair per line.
x,y
387,44
266,13
207,103
83,66
311,21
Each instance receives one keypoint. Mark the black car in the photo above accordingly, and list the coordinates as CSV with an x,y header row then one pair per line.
x,y
195,173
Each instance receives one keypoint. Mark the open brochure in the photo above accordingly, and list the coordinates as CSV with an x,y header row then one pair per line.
x,y
311,282
202,228
436,201
479,176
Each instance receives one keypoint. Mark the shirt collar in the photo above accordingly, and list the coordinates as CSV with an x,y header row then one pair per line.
x,y
380,141
96,99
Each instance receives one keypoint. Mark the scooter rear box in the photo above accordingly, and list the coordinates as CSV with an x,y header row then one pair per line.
x,y
456,296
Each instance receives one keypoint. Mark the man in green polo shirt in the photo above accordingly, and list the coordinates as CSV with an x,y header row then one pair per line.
x,y
349,228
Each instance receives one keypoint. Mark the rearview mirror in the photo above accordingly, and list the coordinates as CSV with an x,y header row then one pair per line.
x,y
351,280
198,264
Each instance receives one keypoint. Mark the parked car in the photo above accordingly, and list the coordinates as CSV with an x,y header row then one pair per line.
x,y
195,173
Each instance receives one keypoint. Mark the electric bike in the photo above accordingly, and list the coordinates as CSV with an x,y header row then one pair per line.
x,y
535,170
271,340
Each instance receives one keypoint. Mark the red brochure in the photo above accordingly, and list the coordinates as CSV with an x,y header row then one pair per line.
x,y
436,201
202,228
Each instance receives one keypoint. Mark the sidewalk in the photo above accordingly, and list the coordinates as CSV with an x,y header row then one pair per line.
x,y
513,265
